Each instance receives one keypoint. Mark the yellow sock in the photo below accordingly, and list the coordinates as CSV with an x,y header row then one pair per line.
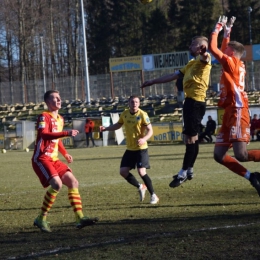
x,y
75,202
48,201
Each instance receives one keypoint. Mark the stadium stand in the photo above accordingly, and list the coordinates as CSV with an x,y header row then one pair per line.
x,y
160,108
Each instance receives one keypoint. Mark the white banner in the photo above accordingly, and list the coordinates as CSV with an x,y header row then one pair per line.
x,y
172,60
120,138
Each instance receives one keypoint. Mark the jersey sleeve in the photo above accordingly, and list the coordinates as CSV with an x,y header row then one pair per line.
x,y
226,61
213,46
61,148
146,119
224,44
43,128
121,119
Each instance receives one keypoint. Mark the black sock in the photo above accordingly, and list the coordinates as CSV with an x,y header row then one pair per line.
x,y
132,180
189,156
148,183
196,152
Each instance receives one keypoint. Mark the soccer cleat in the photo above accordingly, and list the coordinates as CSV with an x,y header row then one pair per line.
x,y
177,181
154,199
43,225
255,181
189,175
85,221
142,189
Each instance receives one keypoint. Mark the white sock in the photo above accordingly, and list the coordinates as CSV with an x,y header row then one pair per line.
x,y
182,173
190,170
247,175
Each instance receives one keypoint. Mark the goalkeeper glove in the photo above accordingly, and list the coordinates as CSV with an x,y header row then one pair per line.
x,y
228,27
219,25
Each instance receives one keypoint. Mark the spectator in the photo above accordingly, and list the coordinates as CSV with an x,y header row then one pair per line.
x,y
209,130
89,126
253,126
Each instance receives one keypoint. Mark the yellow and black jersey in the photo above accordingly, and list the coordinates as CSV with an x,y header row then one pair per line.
x,y
196,78
135,125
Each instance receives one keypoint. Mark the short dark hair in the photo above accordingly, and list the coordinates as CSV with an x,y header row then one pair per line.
x,y
48,93
238,48
132,97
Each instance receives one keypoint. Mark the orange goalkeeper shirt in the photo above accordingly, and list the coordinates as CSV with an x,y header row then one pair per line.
x,y
232,81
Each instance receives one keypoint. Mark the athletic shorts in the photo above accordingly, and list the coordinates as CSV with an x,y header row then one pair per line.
x,y
47,169
235,127
138,158
193,112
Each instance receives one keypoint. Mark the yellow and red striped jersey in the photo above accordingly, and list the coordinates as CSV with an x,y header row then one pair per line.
x,y
49,130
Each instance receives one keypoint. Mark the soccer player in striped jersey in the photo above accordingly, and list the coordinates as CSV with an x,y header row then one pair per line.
x,y
235,129
138,130
195,84
49,169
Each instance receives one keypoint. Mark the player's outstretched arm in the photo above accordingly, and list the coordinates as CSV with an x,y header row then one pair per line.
x,y
110,128
213,43
163,79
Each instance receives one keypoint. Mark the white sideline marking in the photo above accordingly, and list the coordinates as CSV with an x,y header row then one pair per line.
x,y
122,240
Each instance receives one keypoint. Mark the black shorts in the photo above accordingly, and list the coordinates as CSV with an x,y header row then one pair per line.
x,y
138,158
193,112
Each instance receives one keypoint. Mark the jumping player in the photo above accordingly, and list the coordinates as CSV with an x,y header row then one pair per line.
x,y
195,84
138,130
235,129
50,170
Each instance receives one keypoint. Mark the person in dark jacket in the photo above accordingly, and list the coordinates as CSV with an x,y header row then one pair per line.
x,y
209,130
89,127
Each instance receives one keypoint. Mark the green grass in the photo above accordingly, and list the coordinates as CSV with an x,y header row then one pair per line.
x,y
214,216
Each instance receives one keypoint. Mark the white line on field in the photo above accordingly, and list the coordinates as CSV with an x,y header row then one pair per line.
x,y
122,240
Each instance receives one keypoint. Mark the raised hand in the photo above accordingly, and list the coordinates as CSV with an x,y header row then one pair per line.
x,y
228,27
220,24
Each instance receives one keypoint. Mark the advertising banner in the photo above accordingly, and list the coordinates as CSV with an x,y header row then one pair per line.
x,y
125,64
166,132
256,52
172,60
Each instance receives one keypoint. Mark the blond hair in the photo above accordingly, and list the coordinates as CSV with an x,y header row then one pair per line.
x,y
202,40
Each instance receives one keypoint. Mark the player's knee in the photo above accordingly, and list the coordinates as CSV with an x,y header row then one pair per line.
x,y
241,157
75,183
56,185
218,158
124,173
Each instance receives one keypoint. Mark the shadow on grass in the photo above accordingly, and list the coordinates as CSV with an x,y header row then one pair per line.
x,y
64,239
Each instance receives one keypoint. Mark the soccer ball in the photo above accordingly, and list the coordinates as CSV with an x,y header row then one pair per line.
x,y
27,150
3,151
144,2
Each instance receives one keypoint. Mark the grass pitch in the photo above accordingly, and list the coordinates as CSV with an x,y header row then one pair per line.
x,y
214,216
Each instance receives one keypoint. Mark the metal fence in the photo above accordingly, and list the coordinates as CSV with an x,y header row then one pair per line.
x,y
122,84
